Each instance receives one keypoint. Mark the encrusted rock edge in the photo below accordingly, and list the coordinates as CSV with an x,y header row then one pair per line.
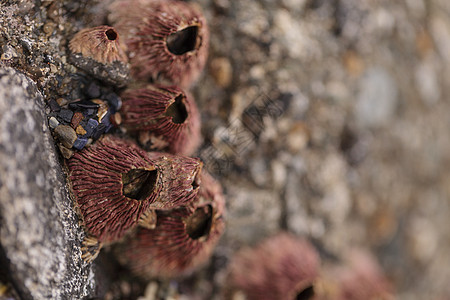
x,y
39,232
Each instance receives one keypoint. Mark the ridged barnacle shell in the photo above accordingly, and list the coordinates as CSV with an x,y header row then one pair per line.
x,y
100,43
359,277
281,267
165,115
115,184
183,238
167,40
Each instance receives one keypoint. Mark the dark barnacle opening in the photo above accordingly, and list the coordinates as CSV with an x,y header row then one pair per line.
x,y
183,41
111,34
138,184
305,294
196,182
177,110
199,223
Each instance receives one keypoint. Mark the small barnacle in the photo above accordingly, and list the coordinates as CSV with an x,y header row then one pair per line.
x,y
164,115
281,267
98,51
360,277
99,43
182,239
113,183
167,40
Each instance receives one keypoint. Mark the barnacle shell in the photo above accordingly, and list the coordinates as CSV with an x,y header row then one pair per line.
x,y
183,238
114,183
167,40
360,277
281,267
167,114
99,43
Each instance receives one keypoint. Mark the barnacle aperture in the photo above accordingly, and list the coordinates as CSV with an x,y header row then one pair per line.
x,y
167,40
281,267
100,43
164,116
183,238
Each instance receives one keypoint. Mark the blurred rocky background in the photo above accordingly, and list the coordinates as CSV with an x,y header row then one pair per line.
x,y
326,118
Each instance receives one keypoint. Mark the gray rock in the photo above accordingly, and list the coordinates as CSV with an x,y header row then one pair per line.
x,y
39,231
115,73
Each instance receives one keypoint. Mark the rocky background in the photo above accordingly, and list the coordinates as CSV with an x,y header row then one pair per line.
x,y
326,118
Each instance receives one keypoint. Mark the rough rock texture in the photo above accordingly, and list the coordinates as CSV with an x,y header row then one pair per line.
x,y
326,118
39,232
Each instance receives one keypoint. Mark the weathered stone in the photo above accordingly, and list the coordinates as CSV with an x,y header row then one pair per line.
x,y
66,135
39,232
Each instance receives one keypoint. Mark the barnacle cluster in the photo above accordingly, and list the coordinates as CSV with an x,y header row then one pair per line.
x,y
154,202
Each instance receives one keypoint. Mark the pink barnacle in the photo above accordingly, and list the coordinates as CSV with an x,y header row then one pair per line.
x,y
281,267
113,183
167,40
164,116
183,238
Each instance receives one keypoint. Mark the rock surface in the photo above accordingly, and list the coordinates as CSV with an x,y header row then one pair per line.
x,y
328,119
39,232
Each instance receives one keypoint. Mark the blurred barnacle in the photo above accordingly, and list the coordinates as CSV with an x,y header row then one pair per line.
x,y
281,267
182,239
167,40
98,51
360,277
165,117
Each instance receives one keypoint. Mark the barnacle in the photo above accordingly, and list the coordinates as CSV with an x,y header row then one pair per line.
x,y
281,267
360,277
182,239
166,115
115,184
99,43
167,40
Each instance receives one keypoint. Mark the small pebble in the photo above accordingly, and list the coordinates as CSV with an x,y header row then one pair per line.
x,y
90,111
66,135
107,119
62,102
116,119
90,127
53,122
81,105
54,106
221,71
114,102
80,130
66,115
102,109
93,91
101,128
66,153
76,119
80,143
